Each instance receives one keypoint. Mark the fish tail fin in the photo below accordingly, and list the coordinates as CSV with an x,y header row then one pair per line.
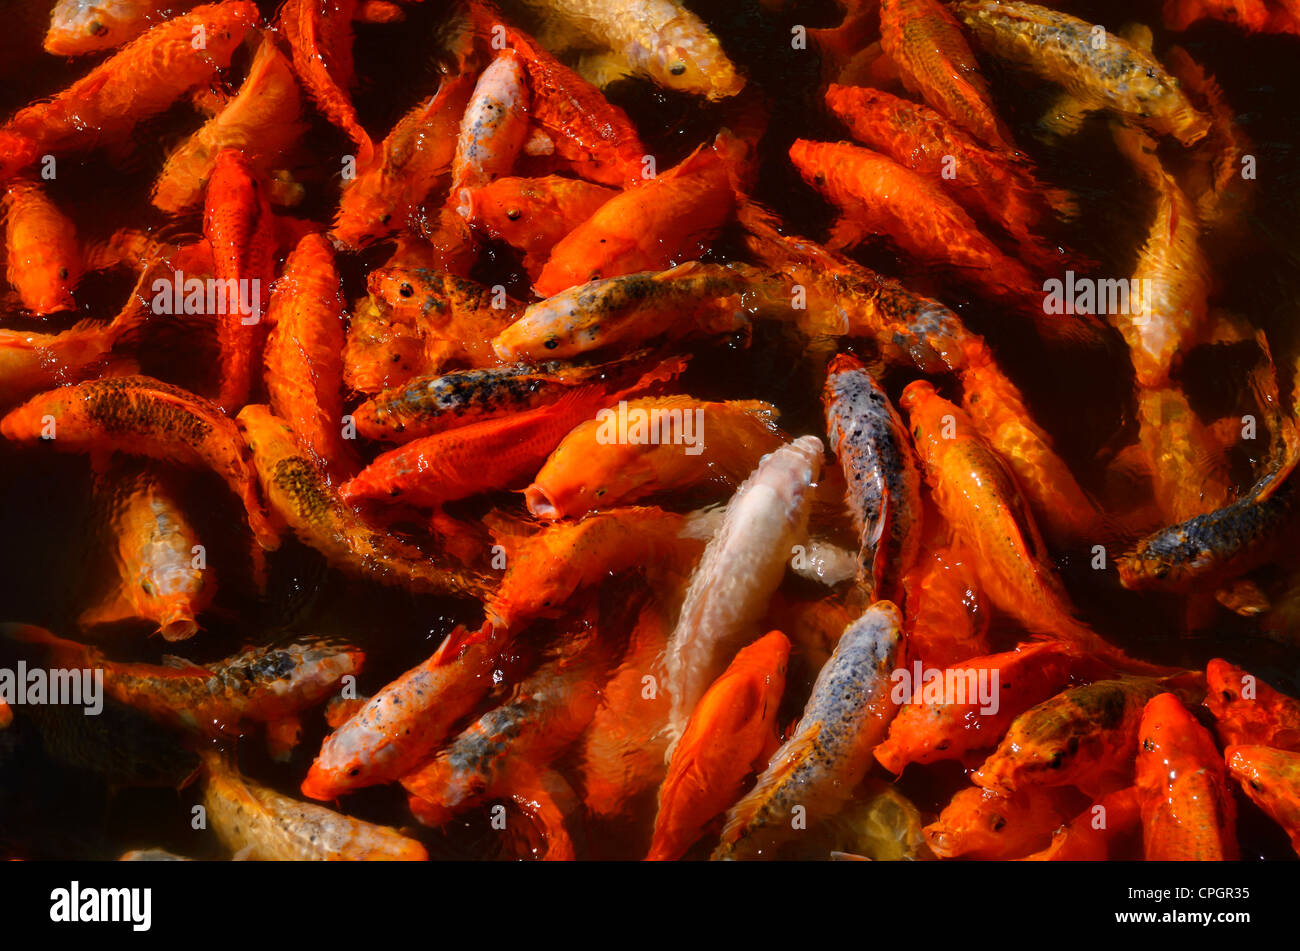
x,y
460,638
741,816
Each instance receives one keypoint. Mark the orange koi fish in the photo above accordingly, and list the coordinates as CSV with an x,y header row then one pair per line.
x,y
593,135
543,570
532,215
320,40
988,184
1248,712
669,219
78,27
622,752
1112,74
742,565
982,824
417,321
1084,736
265,684
933,58
820,765
143,416
690,299
304,362
1189,476
1255,16
875,453
980,499
730,734
1097,833
493,129
414,158
490,455
1271,778
1029,675
44,256
589,471
139,81
157,576
396,730
1188,813
237,223
947,615
261,121
297,490
260,824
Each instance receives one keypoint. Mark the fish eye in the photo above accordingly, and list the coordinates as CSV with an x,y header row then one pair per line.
x,y
384,219
599,493
678,68
96,28
147,585
355,771
551,343
1057,760
406,290
63,273
998,823
514,214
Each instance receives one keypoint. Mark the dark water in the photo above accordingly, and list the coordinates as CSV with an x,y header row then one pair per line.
x,y
67,792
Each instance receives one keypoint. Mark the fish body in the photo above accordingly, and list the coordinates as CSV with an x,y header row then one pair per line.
x,y
260,824
143,416
494,127
303,359
78,27
730,734
1248,712
1189,476
884,494
1271,778
396,730
821,764
1188,813
947,613
742,565
297,489
1112,74
589,471
261,120
319,33
982,824
44,257
1096,834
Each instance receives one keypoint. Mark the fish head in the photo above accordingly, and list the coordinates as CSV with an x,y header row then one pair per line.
x,y
573,483
684,56
974,821
367,214
83,26
1162,561
543,332
173,593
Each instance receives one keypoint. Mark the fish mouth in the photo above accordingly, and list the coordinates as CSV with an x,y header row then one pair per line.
x,y
465,204
179,629
317,785
540,503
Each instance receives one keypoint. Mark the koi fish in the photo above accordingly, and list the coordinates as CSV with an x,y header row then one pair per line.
x,y
980,499
1271,778
154,545
397,729
413,159
152,855
947,614
622,753
264,684
78,27
433,404
926,43
319,33
668,219
417,321
143,416
543,570
929,732
741,567
1248,712
593,135
1095,834
1188,813
544,715
1254,16
261,120
139,81
590,471
260,824
986,183
730,734
44,256
1112,74
298,491
532,215
304,364
494,127
884,495
983,824
1080,737
238,225
490,455
828,754
1189,475
661,39
692,298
